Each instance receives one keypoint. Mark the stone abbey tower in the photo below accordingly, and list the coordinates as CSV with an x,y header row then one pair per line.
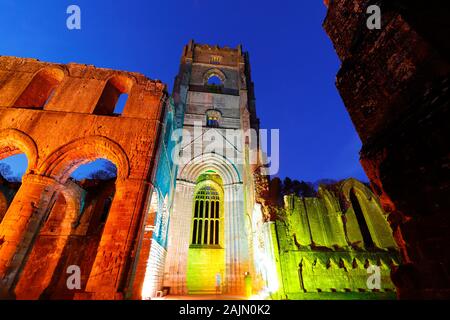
x,y
191,210
210,234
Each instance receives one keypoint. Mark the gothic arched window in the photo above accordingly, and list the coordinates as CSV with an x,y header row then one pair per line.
x,y
206,224
367,237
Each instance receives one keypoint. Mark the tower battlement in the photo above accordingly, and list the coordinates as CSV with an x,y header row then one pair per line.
x,y
213,54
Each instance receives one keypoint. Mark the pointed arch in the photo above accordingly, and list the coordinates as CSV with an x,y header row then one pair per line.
x,y
207,213
210,161
374,216
350,184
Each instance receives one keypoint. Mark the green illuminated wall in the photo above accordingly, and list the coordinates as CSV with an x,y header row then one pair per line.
x,y
323,250
203,265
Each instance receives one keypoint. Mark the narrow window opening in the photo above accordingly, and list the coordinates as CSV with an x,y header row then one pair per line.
x,y
196,209
367,238
200,225
217,209
211,237
201,210
40,90
217,232
205,240
194,233
114,97
121,102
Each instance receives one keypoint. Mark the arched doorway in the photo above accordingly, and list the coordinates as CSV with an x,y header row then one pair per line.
x,y
206,256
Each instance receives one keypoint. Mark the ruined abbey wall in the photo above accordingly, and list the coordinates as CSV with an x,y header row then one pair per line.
x,y
62,116
395,85
327,243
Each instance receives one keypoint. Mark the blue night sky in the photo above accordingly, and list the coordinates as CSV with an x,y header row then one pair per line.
x,y
293,61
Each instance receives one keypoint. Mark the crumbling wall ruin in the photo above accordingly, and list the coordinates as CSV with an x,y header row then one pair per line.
x,y
63,116
395,85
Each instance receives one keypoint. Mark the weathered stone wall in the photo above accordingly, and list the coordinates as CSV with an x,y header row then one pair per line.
x,y
62,116
153,248
321,248
395,85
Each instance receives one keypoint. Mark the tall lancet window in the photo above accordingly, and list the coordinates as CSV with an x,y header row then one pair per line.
x,y
206,224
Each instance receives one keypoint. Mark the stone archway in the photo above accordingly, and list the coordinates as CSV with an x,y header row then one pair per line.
x,y
63,162
237,258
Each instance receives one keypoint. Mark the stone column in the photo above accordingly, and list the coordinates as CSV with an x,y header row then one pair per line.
x,y
50,242
21,224
179,239
242,237
144,248
107,277
229,245
235,239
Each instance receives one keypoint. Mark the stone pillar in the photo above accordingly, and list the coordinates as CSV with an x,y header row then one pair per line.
x,y
229,245
21,224
50,242
236,248
179,239
143,256
107,277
